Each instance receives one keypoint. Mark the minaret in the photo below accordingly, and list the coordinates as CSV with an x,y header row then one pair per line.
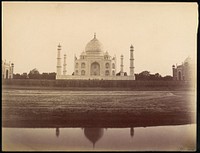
x,y
64,65
115,64
122,71
174,72
131,61
132,131
59,67
57,132
95,35
115,68
12,70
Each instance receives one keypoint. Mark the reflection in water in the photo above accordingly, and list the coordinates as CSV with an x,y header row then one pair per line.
x,y
57,132
132,131
181,137
93,134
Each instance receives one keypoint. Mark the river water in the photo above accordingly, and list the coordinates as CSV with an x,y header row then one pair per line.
x,y
155,138
19,104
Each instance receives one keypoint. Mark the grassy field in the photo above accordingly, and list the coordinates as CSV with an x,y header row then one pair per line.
x,y
60,108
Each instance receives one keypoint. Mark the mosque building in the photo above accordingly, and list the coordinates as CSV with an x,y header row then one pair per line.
x,y
94,63
184,72
7,70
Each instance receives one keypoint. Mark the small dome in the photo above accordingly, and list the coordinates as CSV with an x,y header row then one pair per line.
x,y
83,53
94,47
106,53
188,60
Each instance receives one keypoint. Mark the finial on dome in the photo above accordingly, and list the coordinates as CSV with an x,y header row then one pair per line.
x,y
59,45
95,35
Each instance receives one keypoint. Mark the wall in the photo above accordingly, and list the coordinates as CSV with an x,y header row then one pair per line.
x,y
71,77
133,85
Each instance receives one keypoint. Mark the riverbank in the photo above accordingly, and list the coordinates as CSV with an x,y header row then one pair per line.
x,y
61,108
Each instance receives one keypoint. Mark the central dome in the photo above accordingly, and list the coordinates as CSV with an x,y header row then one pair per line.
x,y
94,47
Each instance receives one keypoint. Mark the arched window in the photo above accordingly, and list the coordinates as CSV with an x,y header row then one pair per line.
x,y
6,74
82,72
76,72
107,65
95,69
76,65
113,72
113,65
107,73
82,65
179,75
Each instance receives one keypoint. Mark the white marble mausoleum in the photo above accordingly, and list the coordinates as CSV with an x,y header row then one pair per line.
x,y
94,63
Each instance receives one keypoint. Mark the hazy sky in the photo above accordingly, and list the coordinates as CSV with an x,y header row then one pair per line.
x,y
162,34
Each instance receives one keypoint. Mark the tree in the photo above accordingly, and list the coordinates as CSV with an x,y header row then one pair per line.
x,y
34,74
44,76
167,78
52,76
144,75
24,76
16,76
157,75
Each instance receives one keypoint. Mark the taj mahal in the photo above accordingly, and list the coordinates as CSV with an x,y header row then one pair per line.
x,y
94,64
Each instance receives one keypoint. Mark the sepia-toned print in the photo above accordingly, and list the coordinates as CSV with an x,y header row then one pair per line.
x,y
96,76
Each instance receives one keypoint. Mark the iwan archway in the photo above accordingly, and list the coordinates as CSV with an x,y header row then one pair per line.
x,y
95,69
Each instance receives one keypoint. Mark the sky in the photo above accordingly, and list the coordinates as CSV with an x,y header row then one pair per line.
x,y
162,34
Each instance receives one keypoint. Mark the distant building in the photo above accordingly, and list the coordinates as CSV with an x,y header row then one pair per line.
x,y
185,71
95,63
7,70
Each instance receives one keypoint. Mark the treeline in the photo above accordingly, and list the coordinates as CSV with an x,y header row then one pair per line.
x,y
34,74
145,75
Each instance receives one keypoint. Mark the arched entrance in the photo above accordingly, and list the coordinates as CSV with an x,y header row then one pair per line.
x,y
179,75
6,74
95,69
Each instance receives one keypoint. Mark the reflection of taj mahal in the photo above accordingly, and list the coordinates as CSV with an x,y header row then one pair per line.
x,y
94,134
94,63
